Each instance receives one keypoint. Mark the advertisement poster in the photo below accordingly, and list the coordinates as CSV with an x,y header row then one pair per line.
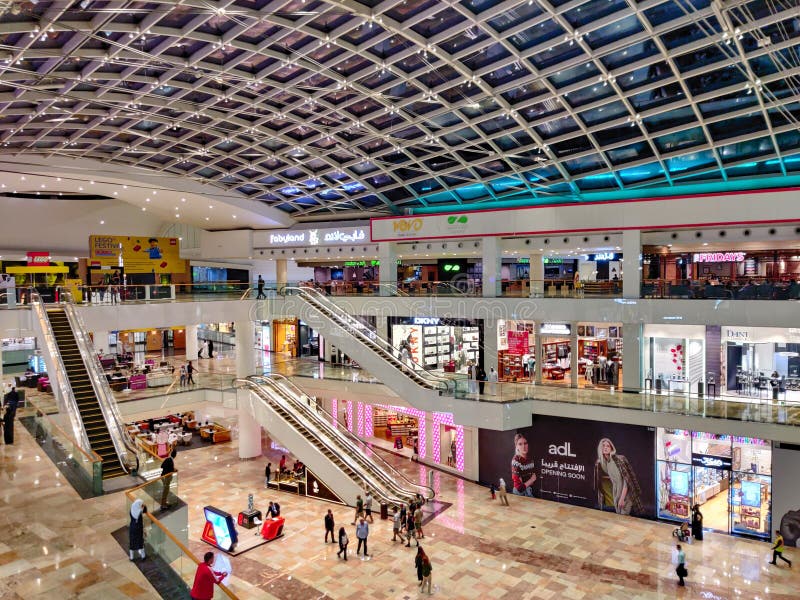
x,y
607,466
518,342
137,254
786,494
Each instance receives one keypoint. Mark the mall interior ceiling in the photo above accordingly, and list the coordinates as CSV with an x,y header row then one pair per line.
x,y
336,109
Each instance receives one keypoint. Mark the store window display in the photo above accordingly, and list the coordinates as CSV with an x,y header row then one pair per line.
x,y
556,353
599,354
448,345
516,350
674,358
728,477
761,362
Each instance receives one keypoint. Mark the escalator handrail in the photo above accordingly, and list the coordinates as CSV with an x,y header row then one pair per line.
x,y
279,397
63,384
356,328
333,424
117,431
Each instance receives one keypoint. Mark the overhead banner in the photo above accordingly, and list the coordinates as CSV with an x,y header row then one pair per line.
x,y
304,238
141,254
607,466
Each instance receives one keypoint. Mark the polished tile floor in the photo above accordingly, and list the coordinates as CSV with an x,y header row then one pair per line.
x,y
59,546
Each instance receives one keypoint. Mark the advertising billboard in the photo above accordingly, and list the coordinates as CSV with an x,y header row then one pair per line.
x,y
137,254
607,466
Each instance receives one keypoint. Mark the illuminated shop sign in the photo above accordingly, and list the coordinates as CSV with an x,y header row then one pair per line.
x,y
426,320
554,261
712,462
451,267
555,329
718,257
310,237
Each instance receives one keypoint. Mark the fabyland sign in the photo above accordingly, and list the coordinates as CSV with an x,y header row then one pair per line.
x,y
304,238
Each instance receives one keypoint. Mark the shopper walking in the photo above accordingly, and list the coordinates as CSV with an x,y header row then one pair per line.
x,y
418,521
260,288
189,373
167,469
397,525
136,529
329,525
205,578
427,569
697,523
10,403
493,378
359,509
680,570
267,474
210,348
777,550
203,350
343,541
418,564
410,528
501,492
183,375
362,532
368,507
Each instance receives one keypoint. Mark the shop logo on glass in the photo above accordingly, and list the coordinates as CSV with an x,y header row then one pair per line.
x,y
707,461
564,449
316,488
462,219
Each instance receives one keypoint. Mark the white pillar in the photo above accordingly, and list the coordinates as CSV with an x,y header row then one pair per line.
x,y
281,273
632,263
631,357
492,272
537,275
490,345
387,270
249,429
191,342
100,340
539,354
245,348
573,354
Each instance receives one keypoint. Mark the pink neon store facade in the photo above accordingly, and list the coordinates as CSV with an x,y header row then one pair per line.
x,y
440,441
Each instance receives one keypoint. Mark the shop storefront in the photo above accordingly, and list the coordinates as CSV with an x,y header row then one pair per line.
x,y
729,477
556,353
516,350
674,358
449,345
263,336
438,439
285,336
599,354
761,362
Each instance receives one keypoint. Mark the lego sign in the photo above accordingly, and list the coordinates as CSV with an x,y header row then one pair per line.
x,y
38,259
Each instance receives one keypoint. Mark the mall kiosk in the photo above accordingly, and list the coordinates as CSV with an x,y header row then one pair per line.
x,y
220,530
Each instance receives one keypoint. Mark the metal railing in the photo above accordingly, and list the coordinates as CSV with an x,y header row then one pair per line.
x,y
372,339
270,392
65,398
123,446
89,464
165,544
331,424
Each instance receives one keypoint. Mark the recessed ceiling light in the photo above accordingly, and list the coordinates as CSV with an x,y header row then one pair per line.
x,y
234,216
144,208
124,187
183,199
177,216
80,189
92,182
207,219
102,222
147,199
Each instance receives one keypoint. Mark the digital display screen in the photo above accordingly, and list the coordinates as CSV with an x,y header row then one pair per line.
x,y
223,526
751,493
679,483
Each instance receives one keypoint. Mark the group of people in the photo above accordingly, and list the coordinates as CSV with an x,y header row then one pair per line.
x,y
206,349
187,374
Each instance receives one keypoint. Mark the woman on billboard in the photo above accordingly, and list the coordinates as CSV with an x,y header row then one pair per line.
x,y
522,468
615,483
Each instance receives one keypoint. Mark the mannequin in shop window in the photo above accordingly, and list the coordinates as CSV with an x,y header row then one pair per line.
x,y
602,361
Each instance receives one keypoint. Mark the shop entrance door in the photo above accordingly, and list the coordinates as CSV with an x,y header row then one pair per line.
x,y
712,492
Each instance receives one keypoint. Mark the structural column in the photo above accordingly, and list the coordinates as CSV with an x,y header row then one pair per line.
x,y
490,346
387,270
492,263
281,273
573,354
536,275
100,340
191,342
249,429
631,263
539,357
631,357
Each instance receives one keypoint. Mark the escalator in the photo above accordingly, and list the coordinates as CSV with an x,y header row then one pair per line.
x,y
372,352
340,459
86,400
